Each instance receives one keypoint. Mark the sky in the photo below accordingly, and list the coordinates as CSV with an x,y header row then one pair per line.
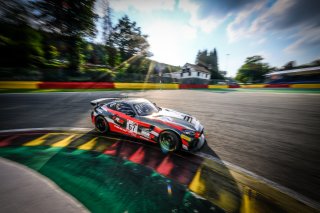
x,y
278,30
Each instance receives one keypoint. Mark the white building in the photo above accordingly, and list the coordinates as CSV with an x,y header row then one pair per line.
x,y
190,71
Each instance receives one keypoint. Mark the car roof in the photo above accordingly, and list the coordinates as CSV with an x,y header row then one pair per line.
x,y
132,100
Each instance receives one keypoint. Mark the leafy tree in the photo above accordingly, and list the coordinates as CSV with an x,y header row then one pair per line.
x,y
253,70
72,19
20,45
202,57
315,62
290,65
114,57
107,22
127,38
213,57
97,54
210,61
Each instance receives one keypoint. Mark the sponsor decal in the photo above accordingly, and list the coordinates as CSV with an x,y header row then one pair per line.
x,y
145,132
185,137
154,133
119,121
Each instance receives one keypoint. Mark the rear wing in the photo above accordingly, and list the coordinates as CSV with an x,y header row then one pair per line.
x,y
102,101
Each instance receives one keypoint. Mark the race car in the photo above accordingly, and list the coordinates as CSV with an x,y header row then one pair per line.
x,y
142,119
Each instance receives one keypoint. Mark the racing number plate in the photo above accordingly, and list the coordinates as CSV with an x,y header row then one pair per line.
x,y
132,126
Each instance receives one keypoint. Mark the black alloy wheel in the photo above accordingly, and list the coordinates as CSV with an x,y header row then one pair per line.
x,y
169,141
101,124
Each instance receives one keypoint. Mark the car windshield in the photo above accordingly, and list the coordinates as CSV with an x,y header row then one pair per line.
x,y
145,108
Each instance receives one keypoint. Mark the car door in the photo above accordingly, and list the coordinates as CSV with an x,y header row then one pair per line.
x,y
123,119
128,123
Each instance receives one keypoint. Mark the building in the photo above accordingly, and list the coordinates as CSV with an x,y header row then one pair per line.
x,y
191,74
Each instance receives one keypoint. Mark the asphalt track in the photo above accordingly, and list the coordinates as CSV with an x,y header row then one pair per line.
x,y
275,135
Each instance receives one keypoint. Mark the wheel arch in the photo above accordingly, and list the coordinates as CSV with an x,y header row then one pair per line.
x,y
171,130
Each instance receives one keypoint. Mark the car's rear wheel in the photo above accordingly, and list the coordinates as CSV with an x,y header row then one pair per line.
x,y
169,141
101,124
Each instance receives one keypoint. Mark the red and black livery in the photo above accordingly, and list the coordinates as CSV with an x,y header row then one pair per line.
x,y
139,118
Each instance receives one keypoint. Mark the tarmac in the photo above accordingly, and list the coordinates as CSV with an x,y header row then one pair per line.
x,y
23,190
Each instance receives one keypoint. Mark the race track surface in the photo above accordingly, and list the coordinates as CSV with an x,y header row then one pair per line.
x,y
275,135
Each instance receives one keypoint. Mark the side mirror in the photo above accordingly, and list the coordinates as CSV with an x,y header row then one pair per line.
x,y
159,108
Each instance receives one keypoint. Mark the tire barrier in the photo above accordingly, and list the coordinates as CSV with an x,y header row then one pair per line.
x,y
138,86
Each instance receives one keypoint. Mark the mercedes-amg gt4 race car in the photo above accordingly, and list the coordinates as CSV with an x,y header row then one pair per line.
x,y
139,118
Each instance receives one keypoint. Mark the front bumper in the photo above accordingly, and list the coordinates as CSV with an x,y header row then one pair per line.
x,y
194,144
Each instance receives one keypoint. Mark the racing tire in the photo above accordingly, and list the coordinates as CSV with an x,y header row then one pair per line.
x,y
169,141
101,124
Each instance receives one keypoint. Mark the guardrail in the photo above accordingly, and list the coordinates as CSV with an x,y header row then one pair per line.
x,y
138,86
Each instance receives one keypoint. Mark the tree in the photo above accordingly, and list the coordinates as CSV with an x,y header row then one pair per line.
x,y
253,70
107,22
72,19
315,62
202,58
114,58
213,57
20,45
210,61
290,65
127,38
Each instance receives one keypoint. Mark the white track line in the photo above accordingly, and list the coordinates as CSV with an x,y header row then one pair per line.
x,y
283,189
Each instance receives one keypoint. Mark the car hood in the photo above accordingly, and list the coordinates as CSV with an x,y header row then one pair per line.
x,y
178,118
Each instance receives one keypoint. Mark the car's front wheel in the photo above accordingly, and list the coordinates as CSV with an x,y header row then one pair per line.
x,y
101,124
169,141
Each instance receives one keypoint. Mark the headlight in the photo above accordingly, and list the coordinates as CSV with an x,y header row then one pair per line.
x,y
189,132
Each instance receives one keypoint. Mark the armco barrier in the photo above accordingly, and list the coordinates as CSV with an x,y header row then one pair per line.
x,y
76,85
145,86
19,84
193,86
